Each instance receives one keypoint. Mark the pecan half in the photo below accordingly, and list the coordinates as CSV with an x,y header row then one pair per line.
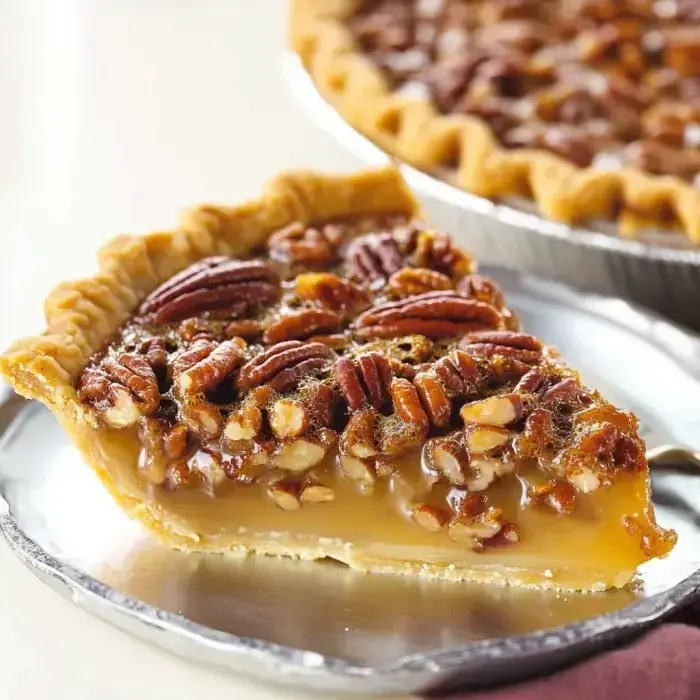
x,y
302,324
373,258
481,288
155,352
284,364
486,290
332,292
567,393
206,365
365,379
121,389
518,346
408,406
312,247
458,372
436,251
434,399
217,283
417,280
433,314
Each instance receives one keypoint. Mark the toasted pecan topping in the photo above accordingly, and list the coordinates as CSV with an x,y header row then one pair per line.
x,y
416,350
218,283
574,78
433,314
283,365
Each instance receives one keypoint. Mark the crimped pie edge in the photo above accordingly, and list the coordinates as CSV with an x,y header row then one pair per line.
x,y
412,129
81,316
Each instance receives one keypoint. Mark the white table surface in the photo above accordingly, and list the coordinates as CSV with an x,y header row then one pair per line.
x,y
115,115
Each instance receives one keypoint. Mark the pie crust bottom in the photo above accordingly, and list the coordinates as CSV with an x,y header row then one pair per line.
x,y
587,551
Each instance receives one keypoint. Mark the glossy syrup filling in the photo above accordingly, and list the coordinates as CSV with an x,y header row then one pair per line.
x,y
358,391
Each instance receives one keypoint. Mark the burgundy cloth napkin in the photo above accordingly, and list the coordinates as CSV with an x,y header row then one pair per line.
x,y
664,664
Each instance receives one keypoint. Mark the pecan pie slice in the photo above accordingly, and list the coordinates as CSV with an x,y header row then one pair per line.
x,y
320,374
589,107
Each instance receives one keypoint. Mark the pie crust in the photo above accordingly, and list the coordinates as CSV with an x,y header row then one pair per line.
x,y
464,150
615,530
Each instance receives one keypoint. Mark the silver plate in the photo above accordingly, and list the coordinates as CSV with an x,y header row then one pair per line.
x,y
324,627
663,278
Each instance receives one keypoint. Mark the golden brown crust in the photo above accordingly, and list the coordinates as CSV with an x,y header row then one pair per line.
x,y
412,129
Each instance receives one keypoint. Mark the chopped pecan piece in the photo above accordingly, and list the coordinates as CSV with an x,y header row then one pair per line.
x,y
568,392
332,291
358,439
373,258
302,324
288,419
558,495
218,283
156,353
429,517
498,411
284,364
448,458
538,435
285,493
203,418
486,438
476,530
315,491
244,424
433,314
360,471
162,445
121,389
298,455
315,248
417,280
518,346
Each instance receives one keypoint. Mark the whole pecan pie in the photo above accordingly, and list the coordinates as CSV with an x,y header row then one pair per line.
x,y
321,374
589,107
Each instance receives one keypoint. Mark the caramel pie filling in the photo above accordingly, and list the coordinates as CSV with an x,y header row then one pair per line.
x,y
356,390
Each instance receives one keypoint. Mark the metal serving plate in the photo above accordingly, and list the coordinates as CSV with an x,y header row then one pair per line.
x,y
662,271
324,627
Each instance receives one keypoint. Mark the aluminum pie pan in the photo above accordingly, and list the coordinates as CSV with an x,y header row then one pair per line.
x,y
663,279
47,497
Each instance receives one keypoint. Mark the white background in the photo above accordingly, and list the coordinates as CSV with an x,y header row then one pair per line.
x,y
114,116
